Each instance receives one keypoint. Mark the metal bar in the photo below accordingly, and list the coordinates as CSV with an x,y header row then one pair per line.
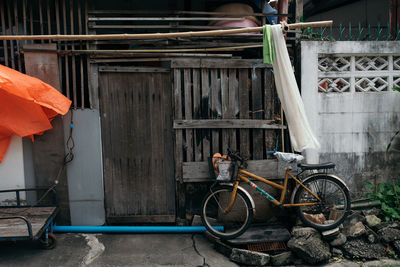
x,y
3,29
24,17
258,178
58,29
81,57
41,18
87,58
360,30
285,182
350,31
16,32
28,224
66,48
48,18
10,29
305,187
73,59
18,198
31,17
253,185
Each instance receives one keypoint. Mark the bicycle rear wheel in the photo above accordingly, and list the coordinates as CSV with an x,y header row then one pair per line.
x,y
226,224
333,207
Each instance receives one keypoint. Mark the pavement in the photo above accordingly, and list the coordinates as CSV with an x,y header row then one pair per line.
x,y
132,250
116,250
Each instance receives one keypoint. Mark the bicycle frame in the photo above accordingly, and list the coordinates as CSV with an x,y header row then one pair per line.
x,y
241,176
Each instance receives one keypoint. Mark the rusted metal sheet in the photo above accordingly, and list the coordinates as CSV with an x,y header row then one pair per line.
x,y
42,64
48,149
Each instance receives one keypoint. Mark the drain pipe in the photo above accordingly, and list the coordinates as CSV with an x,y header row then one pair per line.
x,y
131,229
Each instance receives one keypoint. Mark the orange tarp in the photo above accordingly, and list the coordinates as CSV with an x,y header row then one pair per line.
x,y
26,106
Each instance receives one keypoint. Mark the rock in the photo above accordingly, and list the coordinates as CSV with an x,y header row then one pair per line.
x,y
372,238
355,230
299,231
386,225
373,211
249,257
381,263
330,234
372,220
353,219
389,234
337,252
306,243
284,258
339,240
361,250
197,221
396,245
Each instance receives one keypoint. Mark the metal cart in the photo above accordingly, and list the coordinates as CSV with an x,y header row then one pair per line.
x,y
22,221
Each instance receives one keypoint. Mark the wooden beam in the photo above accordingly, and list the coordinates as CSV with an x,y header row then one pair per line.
x,y
226,124
214,63
132,69
125,36
199,171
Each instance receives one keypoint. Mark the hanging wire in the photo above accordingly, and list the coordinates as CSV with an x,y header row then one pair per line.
x,y
67,159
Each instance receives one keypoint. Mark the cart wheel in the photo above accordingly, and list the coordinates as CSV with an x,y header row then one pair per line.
x,y
51,241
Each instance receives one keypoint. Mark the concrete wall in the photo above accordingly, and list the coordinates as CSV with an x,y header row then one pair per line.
x,y
12,169
347,91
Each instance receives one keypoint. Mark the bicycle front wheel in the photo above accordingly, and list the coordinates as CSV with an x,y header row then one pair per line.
x,y
220,221
333,208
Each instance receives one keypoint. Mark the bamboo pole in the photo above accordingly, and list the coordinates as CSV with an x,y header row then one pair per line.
x,y
125,36
227,48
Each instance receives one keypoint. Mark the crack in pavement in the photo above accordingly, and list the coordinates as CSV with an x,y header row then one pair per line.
x,y
205,264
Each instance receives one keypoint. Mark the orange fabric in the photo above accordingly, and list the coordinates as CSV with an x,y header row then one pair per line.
x,y
26,106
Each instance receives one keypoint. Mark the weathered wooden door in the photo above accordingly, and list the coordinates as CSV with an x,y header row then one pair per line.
x,y
136,119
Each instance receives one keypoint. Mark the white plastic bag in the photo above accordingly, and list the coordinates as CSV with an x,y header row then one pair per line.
x,y
288,157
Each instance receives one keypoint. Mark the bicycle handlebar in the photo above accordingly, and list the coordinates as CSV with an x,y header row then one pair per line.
x,y
235,156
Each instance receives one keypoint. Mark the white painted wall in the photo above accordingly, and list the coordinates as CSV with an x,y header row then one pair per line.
x,y
353,127
12,169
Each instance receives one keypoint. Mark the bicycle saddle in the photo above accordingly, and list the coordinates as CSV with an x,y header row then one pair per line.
x,y
326,165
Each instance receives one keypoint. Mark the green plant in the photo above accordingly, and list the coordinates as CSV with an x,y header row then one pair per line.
x,y
387,194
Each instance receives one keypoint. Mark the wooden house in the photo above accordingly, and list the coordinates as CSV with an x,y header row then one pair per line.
x,y
147,114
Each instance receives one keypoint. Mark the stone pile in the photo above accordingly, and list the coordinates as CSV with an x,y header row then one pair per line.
x,y
362,237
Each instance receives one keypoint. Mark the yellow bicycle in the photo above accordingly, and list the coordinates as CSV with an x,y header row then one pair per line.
x,y
321,199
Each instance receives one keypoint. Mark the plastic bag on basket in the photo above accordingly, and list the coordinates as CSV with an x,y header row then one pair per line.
x,y
221,167
225,171
288,157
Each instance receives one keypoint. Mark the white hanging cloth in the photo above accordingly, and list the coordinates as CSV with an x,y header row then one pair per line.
x,y
301,134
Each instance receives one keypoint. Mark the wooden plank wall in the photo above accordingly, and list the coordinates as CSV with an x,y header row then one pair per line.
x,y
34,17
221,104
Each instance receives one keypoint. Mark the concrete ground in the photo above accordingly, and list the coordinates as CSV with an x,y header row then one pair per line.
x,y
116,250
131,250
